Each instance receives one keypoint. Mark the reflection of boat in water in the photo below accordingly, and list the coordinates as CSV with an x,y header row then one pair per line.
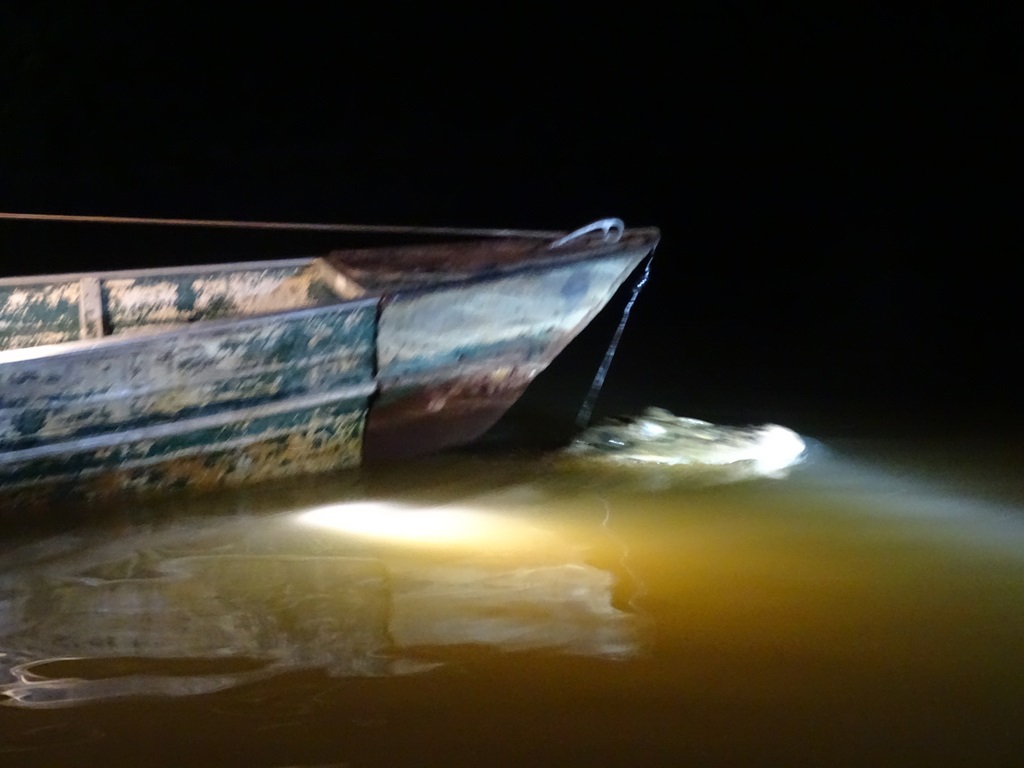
x,y
170,612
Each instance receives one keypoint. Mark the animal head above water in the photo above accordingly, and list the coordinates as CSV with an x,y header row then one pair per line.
x,y
659,437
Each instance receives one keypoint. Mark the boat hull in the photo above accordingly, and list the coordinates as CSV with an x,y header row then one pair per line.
x,y
446,377
298,436
168,379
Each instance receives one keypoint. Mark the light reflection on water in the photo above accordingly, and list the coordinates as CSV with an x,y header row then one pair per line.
x,y
519,611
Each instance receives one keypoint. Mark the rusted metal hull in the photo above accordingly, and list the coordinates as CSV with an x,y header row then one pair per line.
x,y
430,417
208,376
447,370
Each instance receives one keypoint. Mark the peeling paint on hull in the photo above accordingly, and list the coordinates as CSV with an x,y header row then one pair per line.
x,y
407,422
211,376
140,382
448,372
250,446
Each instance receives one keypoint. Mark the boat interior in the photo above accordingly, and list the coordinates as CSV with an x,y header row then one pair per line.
x,y
55,309
62,308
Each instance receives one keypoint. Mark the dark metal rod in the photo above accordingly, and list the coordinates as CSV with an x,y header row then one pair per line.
x,y
587,409
282,225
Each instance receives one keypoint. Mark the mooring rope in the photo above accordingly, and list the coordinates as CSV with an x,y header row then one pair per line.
x,y
392,229
587,409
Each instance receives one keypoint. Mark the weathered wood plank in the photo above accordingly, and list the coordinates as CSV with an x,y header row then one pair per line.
x,y
309,434
90,309
59,308
135,381
139,302
41,313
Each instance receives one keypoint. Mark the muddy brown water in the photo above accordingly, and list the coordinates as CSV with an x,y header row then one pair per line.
x,y
867,609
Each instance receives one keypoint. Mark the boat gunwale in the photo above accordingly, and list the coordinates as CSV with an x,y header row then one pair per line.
x,y
639,238
565,253
119,274
148,337
647,238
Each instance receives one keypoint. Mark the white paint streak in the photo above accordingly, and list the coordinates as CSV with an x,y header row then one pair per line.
x,y
21,299
144,303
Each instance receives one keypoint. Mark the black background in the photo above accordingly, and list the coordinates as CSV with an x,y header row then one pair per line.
x,y
836,187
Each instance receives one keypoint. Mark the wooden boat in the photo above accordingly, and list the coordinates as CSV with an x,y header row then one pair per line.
x,y
211,375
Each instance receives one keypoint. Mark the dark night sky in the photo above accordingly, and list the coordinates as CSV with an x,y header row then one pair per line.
x,y
834,186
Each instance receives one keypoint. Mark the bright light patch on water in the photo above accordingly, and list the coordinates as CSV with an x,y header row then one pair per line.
x,y
429,526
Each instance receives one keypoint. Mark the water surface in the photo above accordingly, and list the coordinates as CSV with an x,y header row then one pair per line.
x,y
511,610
